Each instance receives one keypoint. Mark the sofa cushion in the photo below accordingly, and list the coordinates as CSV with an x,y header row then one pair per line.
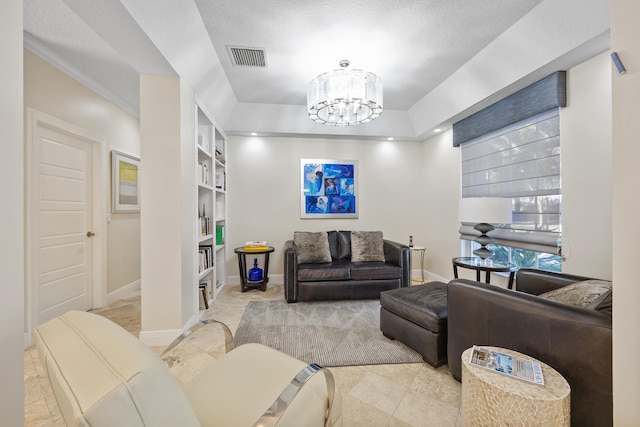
x,y
367,246
312,247
580,294
344,240
603,303
334,246
375,271
323,272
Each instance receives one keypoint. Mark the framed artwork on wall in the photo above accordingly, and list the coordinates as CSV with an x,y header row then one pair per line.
x,y
329,188
125,182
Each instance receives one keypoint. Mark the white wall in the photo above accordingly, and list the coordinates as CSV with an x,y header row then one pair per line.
x,y
586,169
168,214
263,195
625,34
11,227
441,192
49,90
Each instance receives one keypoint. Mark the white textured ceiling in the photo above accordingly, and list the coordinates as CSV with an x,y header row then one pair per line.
x,y
417,47
412,45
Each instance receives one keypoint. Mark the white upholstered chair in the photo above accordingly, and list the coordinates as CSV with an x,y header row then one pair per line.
x,y
102,375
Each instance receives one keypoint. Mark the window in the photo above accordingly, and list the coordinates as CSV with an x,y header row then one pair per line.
x,y
522,162
521,257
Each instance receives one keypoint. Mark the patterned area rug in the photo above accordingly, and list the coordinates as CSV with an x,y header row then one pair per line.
x,y
340,333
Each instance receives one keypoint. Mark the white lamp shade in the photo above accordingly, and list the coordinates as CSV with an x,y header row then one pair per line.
x,y
491,210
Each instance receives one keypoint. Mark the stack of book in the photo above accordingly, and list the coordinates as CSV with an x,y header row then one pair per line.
x,y
205,258
256,246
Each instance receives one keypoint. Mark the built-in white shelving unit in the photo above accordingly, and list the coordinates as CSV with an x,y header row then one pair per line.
x,y
211,208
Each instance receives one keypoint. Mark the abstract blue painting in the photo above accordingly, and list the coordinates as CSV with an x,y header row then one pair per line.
x,y
329,188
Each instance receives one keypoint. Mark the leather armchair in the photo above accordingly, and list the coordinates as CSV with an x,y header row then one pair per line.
x,y
573,340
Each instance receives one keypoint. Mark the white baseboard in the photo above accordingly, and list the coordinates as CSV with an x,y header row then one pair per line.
x,y
429,277
27,340
159,338
127,291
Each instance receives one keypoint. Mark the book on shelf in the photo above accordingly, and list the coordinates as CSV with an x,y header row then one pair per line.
x,y
205,258
221,180
205,223
205,226
203,173
219,234
506,364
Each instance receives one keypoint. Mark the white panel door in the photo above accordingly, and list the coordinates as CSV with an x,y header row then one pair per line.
x,y
65,221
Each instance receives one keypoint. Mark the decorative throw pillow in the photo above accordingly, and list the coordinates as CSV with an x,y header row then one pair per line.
x,y
312,247
580,294
603,303
367,246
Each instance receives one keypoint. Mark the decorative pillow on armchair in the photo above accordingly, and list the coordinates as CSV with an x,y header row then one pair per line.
x,y
312,247
580,294
367,246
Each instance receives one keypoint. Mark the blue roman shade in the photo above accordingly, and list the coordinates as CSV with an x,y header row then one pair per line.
x,y
537,98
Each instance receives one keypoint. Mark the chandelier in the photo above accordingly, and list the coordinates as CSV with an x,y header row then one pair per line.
x,y
344,97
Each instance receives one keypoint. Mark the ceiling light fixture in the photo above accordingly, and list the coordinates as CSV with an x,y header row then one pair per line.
x,y
344,97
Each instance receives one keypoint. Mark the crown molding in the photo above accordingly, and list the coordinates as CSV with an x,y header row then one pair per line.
x,y
35,46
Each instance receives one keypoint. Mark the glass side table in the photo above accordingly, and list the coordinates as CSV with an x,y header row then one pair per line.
x,y
419,252
486,265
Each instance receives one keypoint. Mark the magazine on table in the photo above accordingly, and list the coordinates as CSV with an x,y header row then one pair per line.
x,y
506,364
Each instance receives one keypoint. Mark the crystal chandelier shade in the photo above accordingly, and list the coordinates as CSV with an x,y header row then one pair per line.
x,y
344,97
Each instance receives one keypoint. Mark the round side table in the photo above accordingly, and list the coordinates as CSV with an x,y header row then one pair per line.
x,y
245,283
491,398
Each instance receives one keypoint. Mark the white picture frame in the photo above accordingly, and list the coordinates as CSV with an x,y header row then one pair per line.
x,y
328,188
125,182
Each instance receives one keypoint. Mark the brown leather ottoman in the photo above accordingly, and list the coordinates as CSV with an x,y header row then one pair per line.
x,y
417,317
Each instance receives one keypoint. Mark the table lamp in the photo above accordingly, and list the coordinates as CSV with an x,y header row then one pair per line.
x,y
484,212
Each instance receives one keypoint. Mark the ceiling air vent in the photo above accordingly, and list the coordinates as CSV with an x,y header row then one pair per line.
x,y
247,56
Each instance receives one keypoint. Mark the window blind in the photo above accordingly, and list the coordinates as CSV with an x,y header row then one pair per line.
x,y
520,161
543,95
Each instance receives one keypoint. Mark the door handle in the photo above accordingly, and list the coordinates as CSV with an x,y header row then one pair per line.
x,y
90,234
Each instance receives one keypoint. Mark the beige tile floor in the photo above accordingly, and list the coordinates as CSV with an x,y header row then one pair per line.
x,y
401,395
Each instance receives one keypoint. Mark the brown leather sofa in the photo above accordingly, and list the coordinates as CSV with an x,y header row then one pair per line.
x,y
342,279
573,340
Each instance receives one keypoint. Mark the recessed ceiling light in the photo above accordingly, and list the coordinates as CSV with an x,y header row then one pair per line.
x,y
390,138
254,134
437,130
